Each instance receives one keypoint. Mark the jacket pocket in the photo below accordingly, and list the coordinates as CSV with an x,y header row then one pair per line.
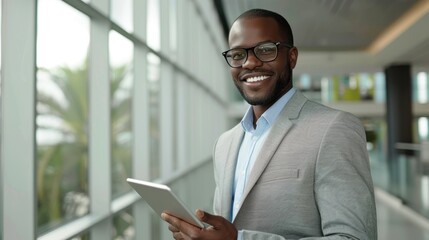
x,y
278,175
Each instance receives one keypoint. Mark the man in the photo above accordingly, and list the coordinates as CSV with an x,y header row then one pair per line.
x,y
292,169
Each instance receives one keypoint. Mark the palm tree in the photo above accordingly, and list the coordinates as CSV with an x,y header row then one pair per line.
x,y
62,176
62,164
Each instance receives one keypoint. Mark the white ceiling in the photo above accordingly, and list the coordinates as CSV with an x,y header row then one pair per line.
x,y
347,36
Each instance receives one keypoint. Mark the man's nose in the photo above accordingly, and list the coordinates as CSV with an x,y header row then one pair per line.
x,y
252,61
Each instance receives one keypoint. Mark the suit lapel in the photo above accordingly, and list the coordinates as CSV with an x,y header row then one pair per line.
x,y
278,131
270,146
228,176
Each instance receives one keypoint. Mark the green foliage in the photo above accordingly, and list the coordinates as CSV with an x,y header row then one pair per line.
x,y
63,164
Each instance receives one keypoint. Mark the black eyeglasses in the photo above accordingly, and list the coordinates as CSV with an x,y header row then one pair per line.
x,y
265,52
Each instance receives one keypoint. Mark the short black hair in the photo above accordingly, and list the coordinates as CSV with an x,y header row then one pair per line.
x,y
281,21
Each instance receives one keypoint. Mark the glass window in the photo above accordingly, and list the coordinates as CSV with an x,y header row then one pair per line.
x,y
353,87
154,65
62,114
173,28
380,87
123,225
422,87
423,129
121,67
153,24
366,84
122,13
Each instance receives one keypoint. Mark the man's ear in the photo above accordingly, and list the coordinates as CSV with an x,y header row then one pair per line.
x,y
293,57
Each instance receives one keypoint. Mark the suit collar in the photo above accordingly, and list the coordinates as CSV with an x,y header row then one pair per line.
x,y
294,106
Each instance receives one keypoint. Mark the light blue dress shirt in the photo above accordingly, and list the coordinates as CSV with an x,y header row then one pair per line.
x,y
251,145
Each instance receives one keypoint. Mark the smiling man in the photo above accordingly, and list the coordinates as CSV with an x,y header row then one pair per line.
x,y
292,168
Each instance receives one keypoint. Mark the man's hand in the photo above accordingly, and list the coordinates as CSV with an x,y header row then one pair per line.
x,y
220,228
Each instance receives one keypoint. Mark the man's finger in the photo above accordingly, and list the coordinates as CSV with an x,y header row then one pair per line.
x,y
180,225
178,236
213,220
172,228
173,221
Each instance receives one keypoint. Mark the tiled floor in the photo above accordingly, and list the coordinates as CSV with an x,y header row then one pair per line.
x,y
398,222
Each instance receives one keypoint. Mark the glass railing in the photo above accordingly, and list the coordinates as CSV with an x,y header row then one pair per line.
x,y
405,177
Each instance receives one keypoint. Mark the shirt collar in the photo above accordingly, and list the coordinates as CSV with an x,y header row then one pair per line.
x,y
270,115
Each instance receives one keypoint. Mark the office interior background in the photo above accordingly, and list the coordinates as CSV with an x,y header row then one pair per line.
x,y
95,91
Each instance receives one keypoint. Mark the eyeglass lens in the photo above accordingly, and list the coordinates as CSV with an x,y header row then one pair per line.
x,y
264,52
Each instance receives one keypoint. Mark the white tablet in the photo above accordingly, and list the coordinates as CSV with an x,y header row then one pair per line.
x,y
162,199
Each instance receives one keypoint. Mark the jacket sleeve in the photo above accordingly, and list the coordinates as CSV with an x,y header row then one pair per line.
x,y
343,185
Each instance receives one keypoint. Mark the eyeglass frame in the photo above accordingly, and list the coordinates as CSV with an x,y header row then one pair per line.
x,y
277,44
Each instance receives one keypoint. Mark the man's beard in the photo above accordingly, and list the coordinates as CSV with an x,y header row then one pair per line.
x,y
280,89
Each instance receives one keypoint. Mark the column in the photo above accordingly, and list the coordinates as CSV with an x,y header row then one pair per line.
x,y
399,119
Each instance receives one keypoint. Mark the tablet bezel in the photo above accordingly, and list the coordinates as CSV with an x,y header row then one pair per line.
x,y
161,199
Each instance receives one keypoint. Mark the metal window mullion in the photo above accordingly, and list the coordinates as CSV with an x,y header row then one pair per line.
x,y
18,123
193,41
197,28
202,136
166,93
99,131
203,123
140,122
203,66
141,161
181,121
140,98
181,88
192,127
166,119
165,27
202,62
189,118
188,36
181,22
196,100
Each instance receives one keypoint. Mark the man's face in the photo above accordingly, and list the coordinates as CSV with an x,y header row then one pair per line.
x,y
261,83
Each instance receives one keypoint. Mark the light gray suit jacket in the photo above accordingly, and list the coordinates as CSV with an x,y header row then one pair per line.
x,y
311,179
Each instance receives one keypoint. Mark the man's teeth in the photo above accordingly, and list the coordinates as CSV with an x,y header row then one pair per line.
x,y
257,79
